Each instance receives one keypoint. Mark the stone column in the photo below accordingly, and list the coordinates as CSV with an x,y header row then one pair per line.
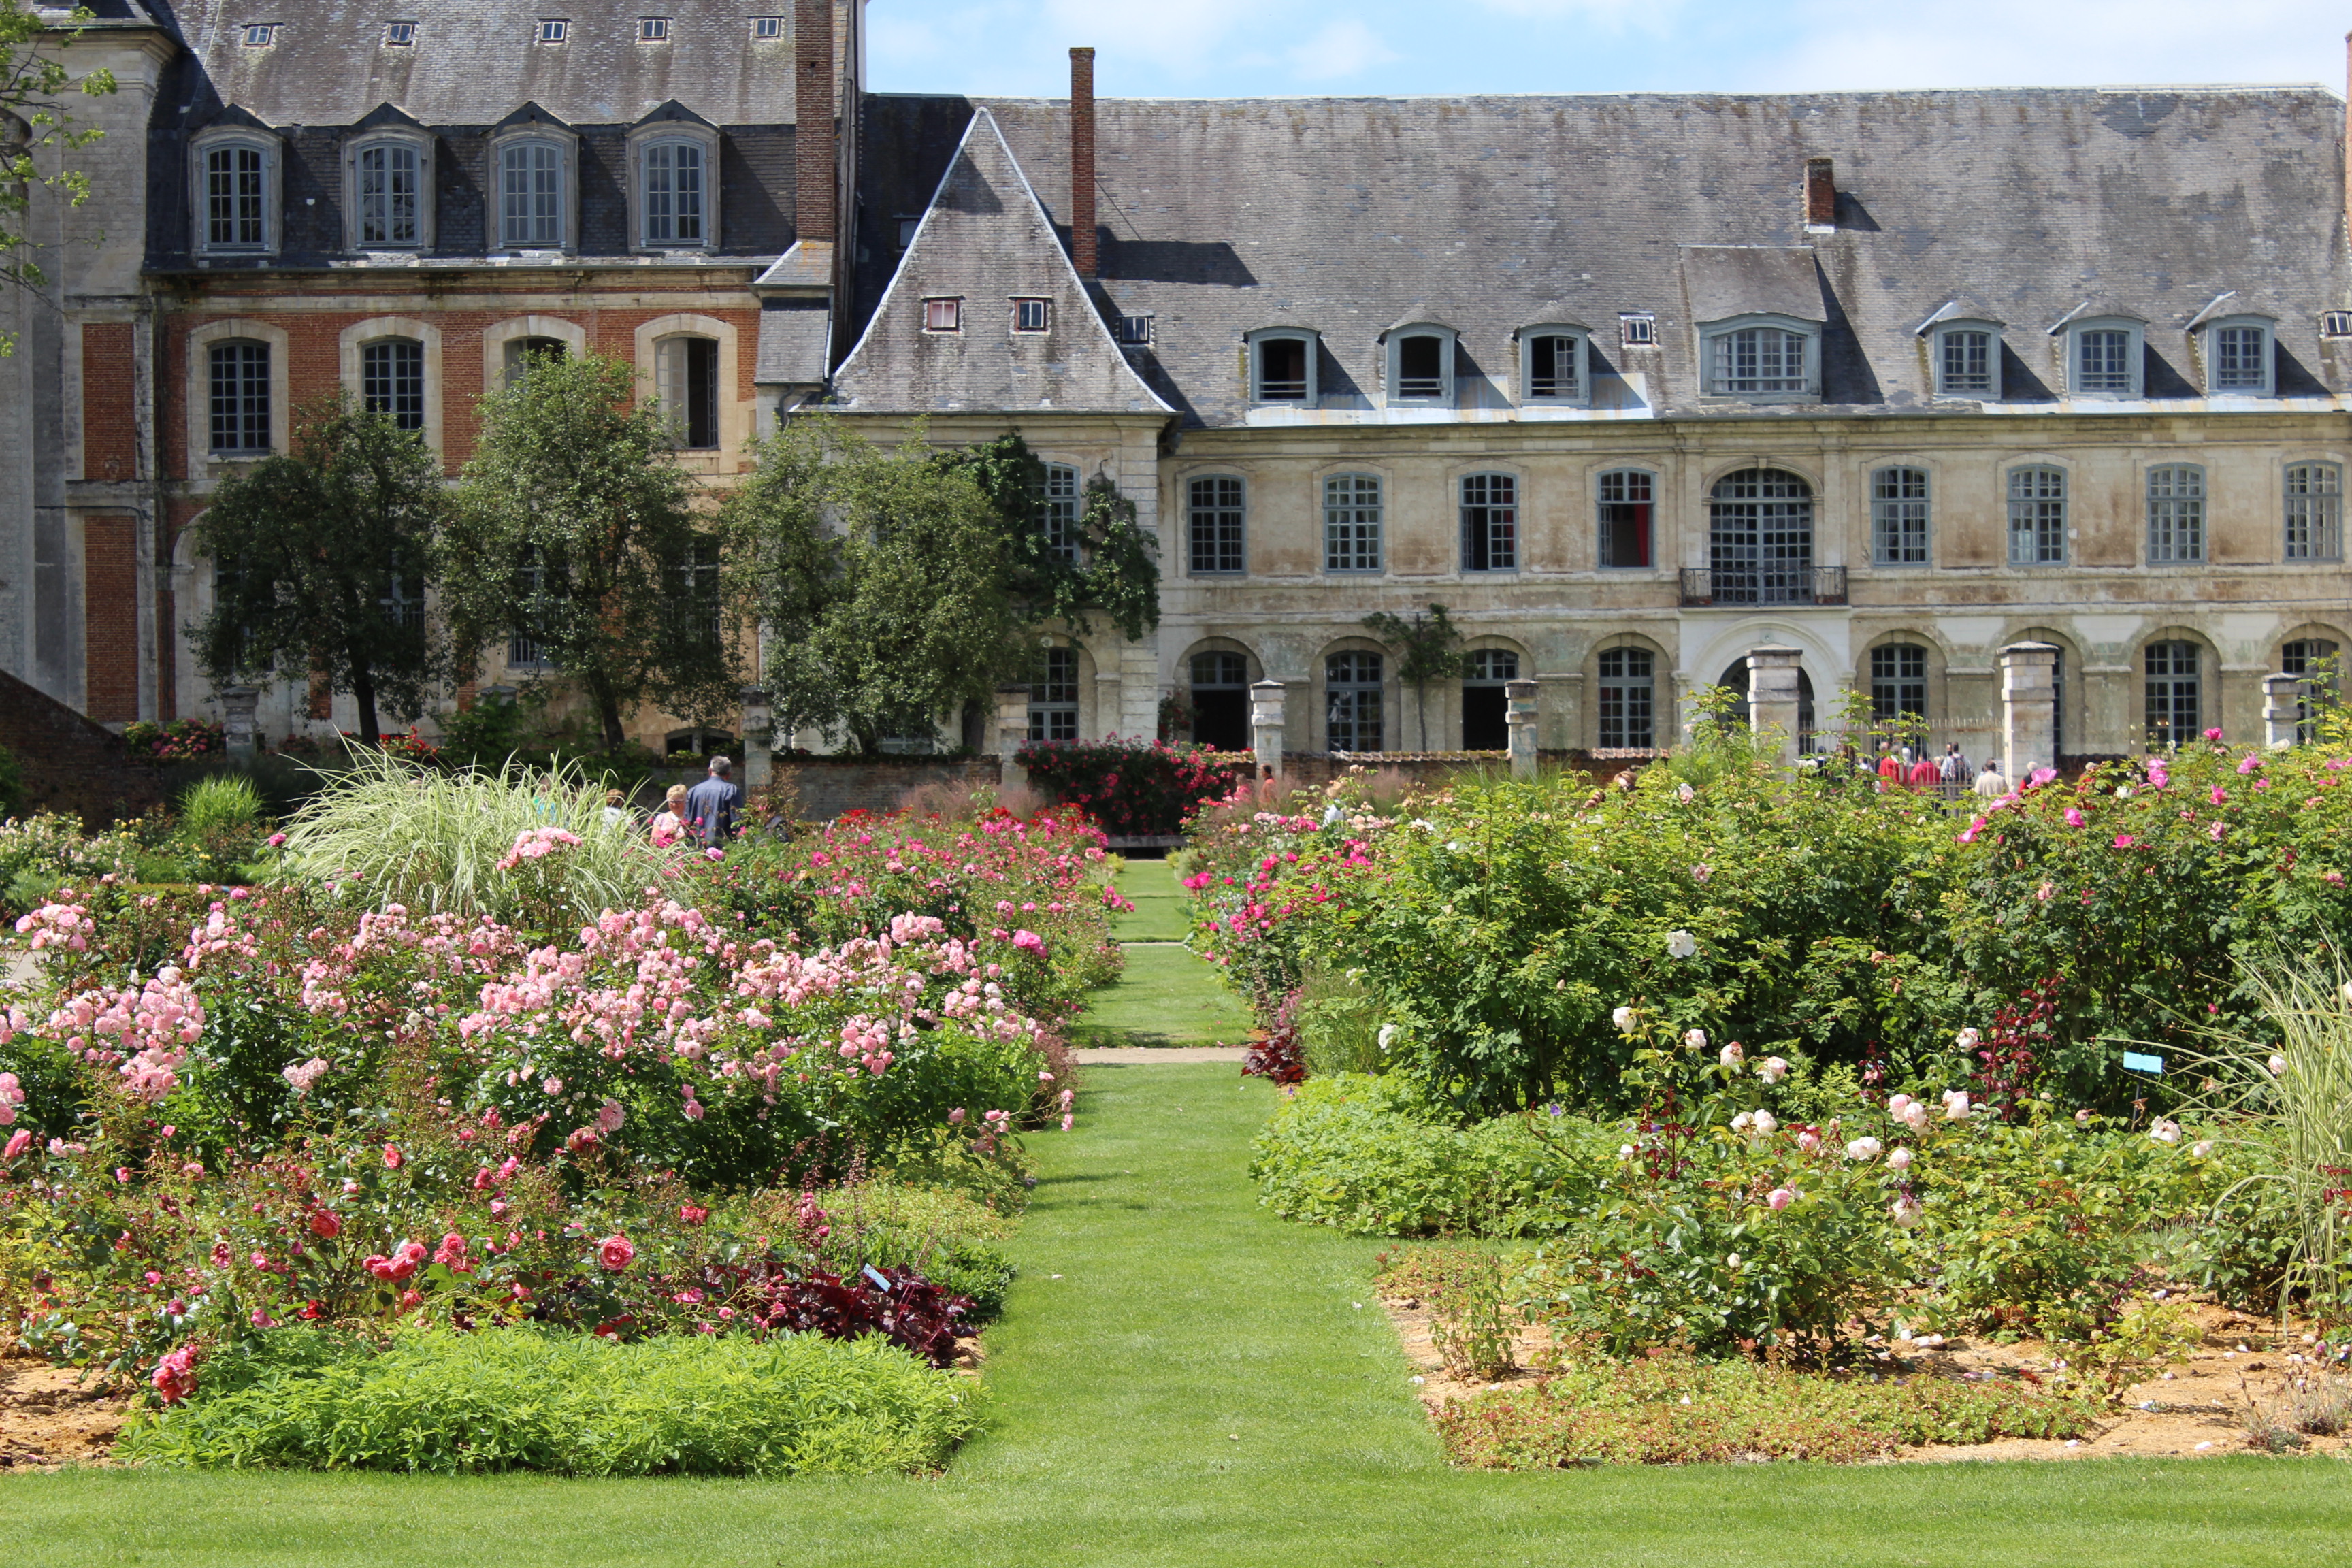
x,y
758,739
238,703
2282,697
1772,704
2029,707
1011,734
1266,726
1519,713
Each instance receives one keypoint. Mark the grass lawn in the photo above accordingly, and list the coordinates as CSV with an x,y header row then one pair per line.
x,y
1168,996
1163,910
1200,1389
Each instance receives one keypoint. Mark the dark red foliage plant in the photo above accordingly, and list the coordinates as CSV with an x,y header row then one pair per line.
x,y
2008,1058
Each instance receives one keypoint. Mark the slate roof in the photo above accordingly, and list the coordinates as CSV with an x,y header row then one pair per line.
x,y
986,241
1491,213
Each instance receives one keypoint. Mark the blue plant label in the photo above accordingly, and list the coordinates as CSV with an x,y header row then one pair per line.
x,y
880,1283
2134,1062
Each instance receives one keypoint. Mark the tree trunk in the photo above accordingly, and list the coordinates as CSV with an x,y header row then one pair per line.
x,y
1421,710
363,694
608,711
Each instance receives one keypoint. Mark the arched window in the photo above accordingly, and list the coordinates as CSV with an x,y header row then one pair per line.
x,y
387,194
1485,725
522,354
2176,514
1626,510
1057,512
530,195
686,378
2175,713
2319,660
1898,683
241,397
1898,516
1736,678
1761,544
1221,701
392,380
1352,683
2314,511
1775,358
234,189
673,186
1214,525
1351,523
1054,704
1628,698
2037,517
1490,522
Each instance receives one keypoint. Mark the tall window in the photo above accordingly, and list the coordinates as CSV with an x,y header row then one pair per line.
x,y
1754,360
1352,690
1898,683
1351,523
534,586
2176,513
2037,516
2319,660
673,193
2241,359
1626,499
392,380
1628,697
389,183
1058,509
403,599
1555,367
2103,361
1966,361
1898,516
1221,702
2173,711
236,191
2314,511
1760,539
530,195
1054,705
523,353
1283,369
695,604
1215,525
1490,522
240,398
1419,368
1485,706
685,377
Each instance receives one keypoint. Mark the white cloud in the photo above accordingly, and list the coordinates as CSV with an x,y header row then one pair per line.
x,y
1342,49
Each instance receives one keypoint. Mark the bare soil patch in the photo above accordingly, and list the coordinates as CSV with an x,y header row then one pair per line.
x,y
51,1417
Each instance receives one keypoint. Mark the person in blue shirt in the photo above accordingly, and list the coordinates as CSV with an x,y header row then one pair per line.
x,y
712,806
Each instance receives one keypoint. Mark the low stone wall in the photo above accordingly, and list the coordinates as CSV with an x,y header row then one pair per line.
x,y
1318,768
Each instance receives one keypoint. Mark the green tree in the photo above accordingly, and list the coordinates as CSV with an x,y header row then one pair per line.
x,y
576,527
1429,647
323,556
35,126
1106,565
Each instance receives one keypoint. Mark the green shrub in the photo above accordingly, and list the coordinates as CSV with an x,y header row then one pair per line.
x,y
219,828
1339,1023
944,1236
41,853
523,1399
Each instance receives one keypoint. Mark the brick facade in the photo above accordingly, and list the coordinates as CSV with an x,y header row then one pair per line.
x,y
110,401
111,616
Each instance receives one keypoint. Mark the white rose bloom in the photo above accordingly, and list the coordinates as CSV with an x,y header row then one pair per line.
x,y
1694,1038
2201,1148
1773,1070
1732,1057
2165,1131
1895,1106
1906,1211
1765,1124
2278,1067
1956,1105
1681,944
1899,1161
1743,1121
1625,1019
1914,1116
1624,1151
1388,1036
1863,1149
1968,1039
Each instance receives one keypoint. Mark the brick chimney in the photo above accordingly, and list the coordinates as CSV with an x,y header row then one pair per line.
x,y
1082,161
1821,194
813,153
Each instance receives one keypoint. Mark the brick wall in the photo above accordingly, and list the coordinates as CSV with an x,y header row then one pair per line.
x,y
69,764
829,787
111,617
110,402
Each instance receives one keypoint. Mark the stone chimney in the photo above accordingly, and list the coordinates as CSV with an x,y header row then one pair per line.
x,y
1821,194
814,149
1082,161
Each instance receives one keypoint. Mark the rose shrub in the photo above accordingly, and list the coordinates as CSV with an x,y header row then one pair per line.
x,y
1134,788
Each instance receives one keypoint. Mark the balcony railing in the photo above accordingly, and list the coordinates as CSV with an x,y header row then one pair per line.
x,y
1704,587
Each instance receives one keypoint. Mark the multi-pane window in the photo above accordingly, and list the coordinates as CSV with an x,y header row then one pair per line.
x,y
1898,683
236,190
673,193
1352,683
530,195
686,378
1754,360
943,315
2176,513
1760,539
695,601
653,29
241,397
392,380
1965,361
1214,525
1490,522
1030,316
2037,516
2173,709
2314,511
2241,359
1627,497
1057,510
399,35
766,28
2317,660
1554,368
389,183
1628,697
1221,701
533,586
1351,523
523,353
1898,516
1485,701
553,30
1053,702
2103,361
403,599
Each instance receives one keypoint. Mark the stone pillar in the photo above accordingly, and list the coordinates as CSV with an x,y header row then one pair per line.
x,y
2029,709
758,738
2283,698
1011,734
238,703
1519,713
1773,705
1266,726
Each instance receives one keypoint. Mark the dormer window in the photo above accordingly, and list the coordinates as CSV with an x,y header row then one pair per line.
x,y
1967,357
653,29
399,35
260,35
553,30
1421,364
674,193
237,174
532,163
1762,358
1552,365
2103,356
765,29
388,191
1031,317
2238,357
1282,367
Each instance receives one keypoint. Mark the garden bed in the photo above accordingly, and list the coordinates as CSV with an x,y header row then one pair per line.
x,y
51,1417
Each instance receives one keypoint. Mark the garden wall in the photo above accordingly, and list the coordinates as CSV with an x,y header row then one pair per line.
x,y
1317,768
828,787
69,764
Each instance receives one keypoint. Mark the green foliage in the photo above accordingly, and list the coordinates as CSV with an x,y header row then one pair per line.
x,y
320,556
1339,1023
1429,644
220,822
46,851
33,80
943,1235
1110,566
576,526
520,1399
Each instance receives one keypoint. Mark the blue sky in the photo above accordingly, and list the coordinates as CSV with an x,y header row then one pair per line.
x,y
1243,47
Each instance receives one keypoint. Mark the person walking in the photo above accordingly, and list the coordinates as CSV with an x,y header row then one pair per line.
x,y
1951,771
712,806
1923,775
1989,783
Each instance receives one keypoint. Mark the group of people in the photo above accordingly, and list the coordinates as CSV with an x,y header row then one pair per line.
x,y
1947,775
708,814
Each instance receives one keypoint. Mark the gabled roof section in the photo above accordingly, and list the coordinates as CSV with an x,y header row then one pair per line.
x,y
529,114
674,113
384,114
985,239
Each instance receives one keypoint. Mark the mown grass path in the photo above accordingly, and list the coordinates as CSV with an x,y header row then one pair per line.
x,y
1199,1388
1168,995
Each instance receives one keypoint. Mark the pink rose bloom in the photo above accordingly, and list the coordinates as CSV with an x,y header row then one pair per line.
x,y
1781,1198
277,839
18,1143
2213,735
2252,765
392,1156
1029,939
2124,841
609,1116
615,1253
2073,817
955,1117
176,1374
